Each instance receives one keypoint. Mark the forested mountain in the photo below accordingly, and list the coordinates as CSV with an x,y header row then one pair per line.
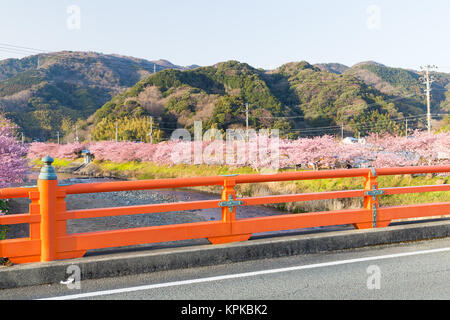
x,y
295,98
402,83
46,93
216,95
332,67
100,92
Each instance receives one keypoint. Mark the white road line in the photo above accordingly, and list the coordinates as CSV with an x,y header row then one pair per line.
x,y
243,275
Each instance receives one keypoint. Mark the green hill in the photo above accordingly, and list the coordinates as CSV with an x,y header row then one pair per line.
x,y
405,87
215,95
46,93
293,98
337,68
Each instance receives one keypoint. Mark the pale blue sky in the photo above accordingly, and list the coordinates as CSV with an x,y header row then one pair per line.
x,y
262,33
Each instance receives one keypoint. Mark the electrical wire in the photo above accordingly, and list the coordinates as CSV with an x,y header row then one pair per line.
x,y
24,48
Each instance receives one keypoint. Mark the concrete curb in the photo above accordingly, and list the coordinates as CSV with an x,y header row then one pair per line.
x,y
120,264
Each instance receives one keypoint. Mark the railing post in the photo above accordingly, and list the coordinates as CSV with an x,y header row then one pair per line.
x,y
370,202
228,205
48,185
228,215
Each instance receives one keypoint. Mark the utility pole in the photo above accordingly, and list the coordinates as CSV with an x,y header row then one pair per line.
x,y
246,121
428,80
23,139
117,136
57,134
154,68
76,133
151,130
406,128
342,131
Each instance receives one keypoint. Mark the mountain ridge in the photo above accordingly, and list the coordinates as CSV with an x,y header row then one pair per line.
x,y
50,92
47,93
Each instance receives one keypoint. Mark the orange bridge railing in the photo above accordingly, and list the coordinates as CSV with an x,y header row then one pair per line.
x,y
48,239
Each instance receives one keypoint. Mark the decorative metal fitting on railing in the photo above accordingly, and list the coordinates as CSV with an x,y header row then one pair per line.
x,y
230,203
374,192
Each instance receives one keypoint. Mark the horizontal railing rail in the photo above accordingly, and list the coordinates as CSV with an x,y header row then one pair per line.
x,y
47,217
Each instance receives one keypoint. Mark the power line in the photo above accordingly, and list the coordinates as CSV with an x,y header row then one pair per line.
x,y
14,51
441,89
306,104
288,117
338,126
335,129
20,50
361,125
20,47
379,123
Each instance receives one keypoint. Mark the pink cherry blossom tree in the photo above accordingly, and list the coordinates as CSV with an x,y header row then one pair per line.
x,y
318,152
12,155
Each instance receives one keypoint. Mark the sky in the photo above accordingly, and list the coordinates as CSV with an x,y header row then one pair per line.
x,y
264,34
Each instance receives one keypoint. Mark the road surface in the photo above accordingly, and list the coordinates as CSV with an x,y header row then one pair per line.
x,y
416,270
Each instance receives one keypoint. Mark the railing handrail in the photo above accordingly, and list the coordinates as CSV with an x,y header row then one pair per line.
x,y
112,186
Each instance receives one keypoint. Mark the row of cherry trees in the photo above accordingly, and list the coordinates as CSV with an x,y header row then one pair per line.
x,y
261,151
13,162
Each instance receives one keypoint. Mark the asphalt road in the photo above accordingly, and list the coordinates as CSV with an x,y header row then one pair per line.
x,y
416,270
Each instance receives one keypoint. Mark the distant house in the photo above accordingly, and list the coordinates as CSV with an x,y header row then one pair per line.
x,y
443,155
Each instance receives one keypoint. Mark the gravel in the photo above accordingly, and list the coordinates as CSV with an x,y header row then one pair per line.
x,y
124,198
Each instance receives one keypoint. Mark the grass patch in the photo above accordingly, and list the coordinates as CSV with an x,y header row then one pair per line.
x,y
413,198
149,170
4,209
62,162
57,163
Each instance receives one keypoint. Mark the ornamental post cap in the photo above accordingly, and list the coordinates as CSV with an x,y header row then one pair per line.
x,y
47,171
47,160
